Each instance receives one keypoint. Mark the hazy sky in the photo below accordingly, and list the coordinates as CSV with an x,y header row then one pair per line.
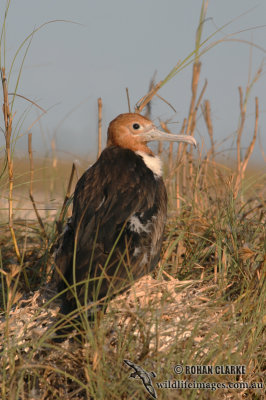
x,y
121,43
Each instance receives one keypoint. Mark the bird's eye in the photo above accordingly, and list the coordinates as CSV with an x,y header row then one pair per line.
x,y
136,126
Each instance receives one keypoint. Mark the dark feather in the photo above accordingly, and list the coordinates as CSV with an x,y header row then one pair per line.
x,y
117,187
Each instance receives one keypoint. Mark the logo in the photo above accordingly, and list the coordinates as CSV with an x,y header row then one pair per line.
x,y
146,377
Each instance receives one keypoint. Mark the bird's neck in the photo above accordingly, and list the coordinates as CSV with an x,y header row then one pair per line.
x,y
152,162
129,143
143,148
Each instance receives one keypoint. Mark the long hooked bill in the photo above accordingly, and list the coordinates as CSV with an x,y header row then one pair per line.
x,y
156,134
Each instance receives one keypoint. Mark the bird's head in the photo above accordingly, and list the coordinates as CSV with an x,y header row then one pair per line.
x,y
133,131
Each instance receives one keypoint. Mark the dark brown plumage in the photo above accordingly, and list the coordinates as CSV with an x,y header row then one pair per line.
x,y
119,211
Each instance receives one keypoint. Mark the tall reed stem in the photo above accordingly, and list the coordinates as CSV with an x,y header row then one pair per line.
x,y
8,131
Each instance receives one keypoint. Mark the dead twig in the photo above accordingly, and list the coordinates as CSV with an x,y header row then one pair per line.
x,y
128,101
166,102
193,123
178,164
206,112
147,98
8,118
170,153
244,162
189,130
29,100
170,160
31,186
242,105
148,105
194,88
160,148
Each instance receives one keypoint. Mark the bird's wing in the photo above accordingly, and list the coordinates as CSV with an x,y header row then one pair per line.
x,y
108,194
64,252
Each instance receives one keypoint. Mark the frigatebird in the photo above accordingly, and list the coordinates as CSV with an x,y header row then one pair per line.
x,y
115,233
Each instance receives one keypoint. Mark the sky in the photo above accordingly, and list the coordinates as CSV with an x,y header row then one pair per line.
x,y
98,48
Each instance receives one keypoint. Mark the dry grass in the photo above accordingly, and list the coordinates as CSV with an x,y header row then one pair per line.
x,y
204,304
